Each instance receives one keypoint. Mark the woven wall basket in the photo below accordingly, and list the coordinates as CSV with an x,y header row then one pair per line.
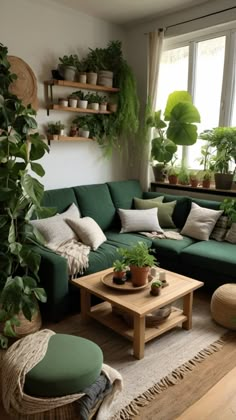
x,y
25,86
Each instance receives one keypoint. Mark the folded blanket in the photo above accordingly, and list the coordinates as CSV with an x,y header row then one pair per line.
x,y
76,254
170,234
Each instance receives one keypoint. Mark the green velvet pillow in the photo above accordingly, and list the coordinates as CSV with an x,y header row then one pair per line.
x,y
165,210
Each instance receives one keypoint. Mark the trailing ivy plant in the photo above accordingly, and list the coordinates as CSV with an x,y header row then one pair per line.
x,y
20,195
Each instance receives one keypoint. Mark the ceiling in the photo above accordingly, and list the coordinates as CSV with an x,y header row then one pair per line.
x,y
128,11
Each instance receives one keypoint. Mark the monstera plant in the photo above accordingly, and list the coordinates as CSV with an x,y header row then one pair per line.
x,y
20,195
175,128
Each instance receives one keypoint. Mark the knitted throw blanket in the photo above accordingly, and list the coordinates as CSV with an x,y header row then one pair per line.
x,y
170,234
20,358
76,254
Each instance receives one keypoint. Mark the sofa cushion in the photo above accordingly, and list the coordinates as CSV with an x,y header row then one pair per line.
x,y
54,229
102,258
123,192
171,247
61,198
87,231
126,239
211,255
164,210
95,201
139,220
200,222
181,210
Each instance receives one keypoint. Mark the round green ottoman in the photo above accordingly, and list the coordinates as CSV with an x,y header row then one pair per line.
x,y
223,306
70,365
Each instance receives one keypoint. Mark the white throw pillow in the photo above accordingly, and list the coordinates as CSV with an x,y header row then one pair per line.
x,y
200,222
139,220
54,229
231,234
88,231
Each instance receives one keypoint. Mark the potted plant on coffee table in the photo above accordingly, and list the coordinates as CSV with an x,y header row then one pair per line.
x,y
139,259
20,196
156,287
119,269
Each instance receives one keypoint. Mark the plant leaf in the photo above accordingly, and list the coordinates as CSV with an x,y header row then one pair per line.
x,y
33,188
37,168
40,294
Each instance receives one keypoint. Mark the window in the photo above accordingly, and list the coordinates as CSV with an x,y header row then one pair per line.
x,y
203,66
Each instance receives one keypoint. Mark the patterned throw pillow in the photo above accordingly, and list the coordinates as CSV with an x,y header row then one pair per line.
x,y
220,229
231,234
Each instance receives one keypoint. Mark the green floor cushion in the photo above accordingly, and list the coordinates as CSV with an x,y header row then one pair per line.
x,y
182,207
212,255
171,247
70,365
123,192
61,198
126,239
95,201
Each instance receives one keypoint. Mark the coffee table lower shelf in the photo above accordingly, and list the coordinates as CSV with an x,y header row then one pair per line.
x,y
103,314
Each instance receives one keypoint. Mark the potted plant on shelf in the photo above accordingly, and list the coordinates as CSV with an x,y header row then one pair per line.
x,y
93,100
176,128
68,66
139,259
223,142
81,71
194,178
20,196
82,98
55,128
84,131
103,103
183,177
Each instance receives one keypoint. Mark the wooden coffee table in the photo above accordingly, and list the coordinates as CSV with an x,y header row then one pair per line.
x,y
138,304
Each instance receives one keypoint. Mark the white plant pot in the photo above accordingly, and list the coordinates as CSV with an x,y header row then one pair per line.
x,y
82,78
103,107
92,78
63,102
94,106
84,133
69,73
62,132
73,102
83,104
105,78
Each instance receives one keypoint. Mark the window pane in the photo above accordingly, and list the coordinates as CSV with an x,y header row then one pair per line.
x,y
173,62
233,118
208,86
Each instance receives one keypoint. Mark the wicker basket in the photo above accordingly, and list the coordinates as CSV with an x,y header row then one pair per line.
x,y
152,320
28,327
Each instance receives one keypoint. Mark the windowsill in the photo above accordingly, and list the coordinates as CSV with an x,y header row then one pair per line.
x,y
212,190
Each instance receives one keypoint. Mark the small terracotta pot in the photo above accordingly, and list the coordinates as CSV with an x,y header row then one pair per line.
x,y
155,291
194,183
206,183
139,275
173,179
119,274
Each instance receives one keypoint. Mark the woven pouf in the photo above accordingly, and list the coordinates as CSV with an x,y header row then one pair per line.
x,y
223,306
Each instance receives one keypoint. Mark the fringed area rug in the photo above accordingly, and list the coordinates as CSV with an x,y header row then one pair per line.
x,y
175,355
163,356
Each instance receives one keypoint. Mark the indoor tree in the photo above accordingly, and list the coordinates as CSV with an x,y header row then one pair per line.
x,y
20,195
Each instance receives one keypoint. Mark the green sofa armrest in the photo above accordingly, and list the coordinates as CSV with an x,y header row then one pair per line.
x,y
53,274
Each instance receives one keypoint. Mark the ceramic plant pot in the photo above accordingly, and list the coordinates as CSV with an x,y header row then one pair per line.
x,y
206,183
139,275
105,78
223,181
73,102
84,133
173,179
94,106
82,104
194,183
92,78
82,78
103,107
69,73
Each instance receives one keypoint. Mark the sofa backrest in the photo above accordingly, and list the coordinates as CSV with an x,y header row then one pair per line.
x,y
60,198
95,201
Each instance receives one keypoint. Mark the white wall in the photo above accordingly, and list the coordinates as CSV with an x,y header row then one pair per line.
x,y
39,31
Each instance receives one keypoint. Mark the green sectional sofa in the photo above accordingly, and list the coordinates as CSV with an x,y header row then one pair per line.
x,y
210,261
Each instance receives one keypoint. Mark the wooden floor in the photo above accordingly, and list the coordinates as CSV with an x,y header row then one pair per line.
x,y
217,404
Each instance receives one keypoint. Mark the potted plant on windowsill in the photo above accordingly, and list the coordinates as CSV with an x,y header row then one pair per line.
x,y
223,142
194,178
176,128
139,259
183,177
20,196
206,177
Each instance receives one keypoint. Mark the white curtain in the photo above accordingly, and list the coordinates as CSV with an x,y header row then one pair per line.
x,y
155,42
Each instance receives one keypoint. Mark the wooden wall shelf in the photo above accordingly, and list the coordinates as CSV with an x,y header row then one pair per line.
x,y
56,137
56,107
87,86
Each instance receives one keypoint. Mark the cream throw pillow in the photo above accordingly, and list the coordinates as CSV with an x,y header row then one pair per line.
x,y
54,229
165,210
139,220
88,231
231,234
200,222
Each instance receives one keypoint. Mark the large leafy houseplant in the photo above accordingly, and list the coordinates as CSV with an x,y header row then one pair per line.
x,y
20,196
222,141
176,127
